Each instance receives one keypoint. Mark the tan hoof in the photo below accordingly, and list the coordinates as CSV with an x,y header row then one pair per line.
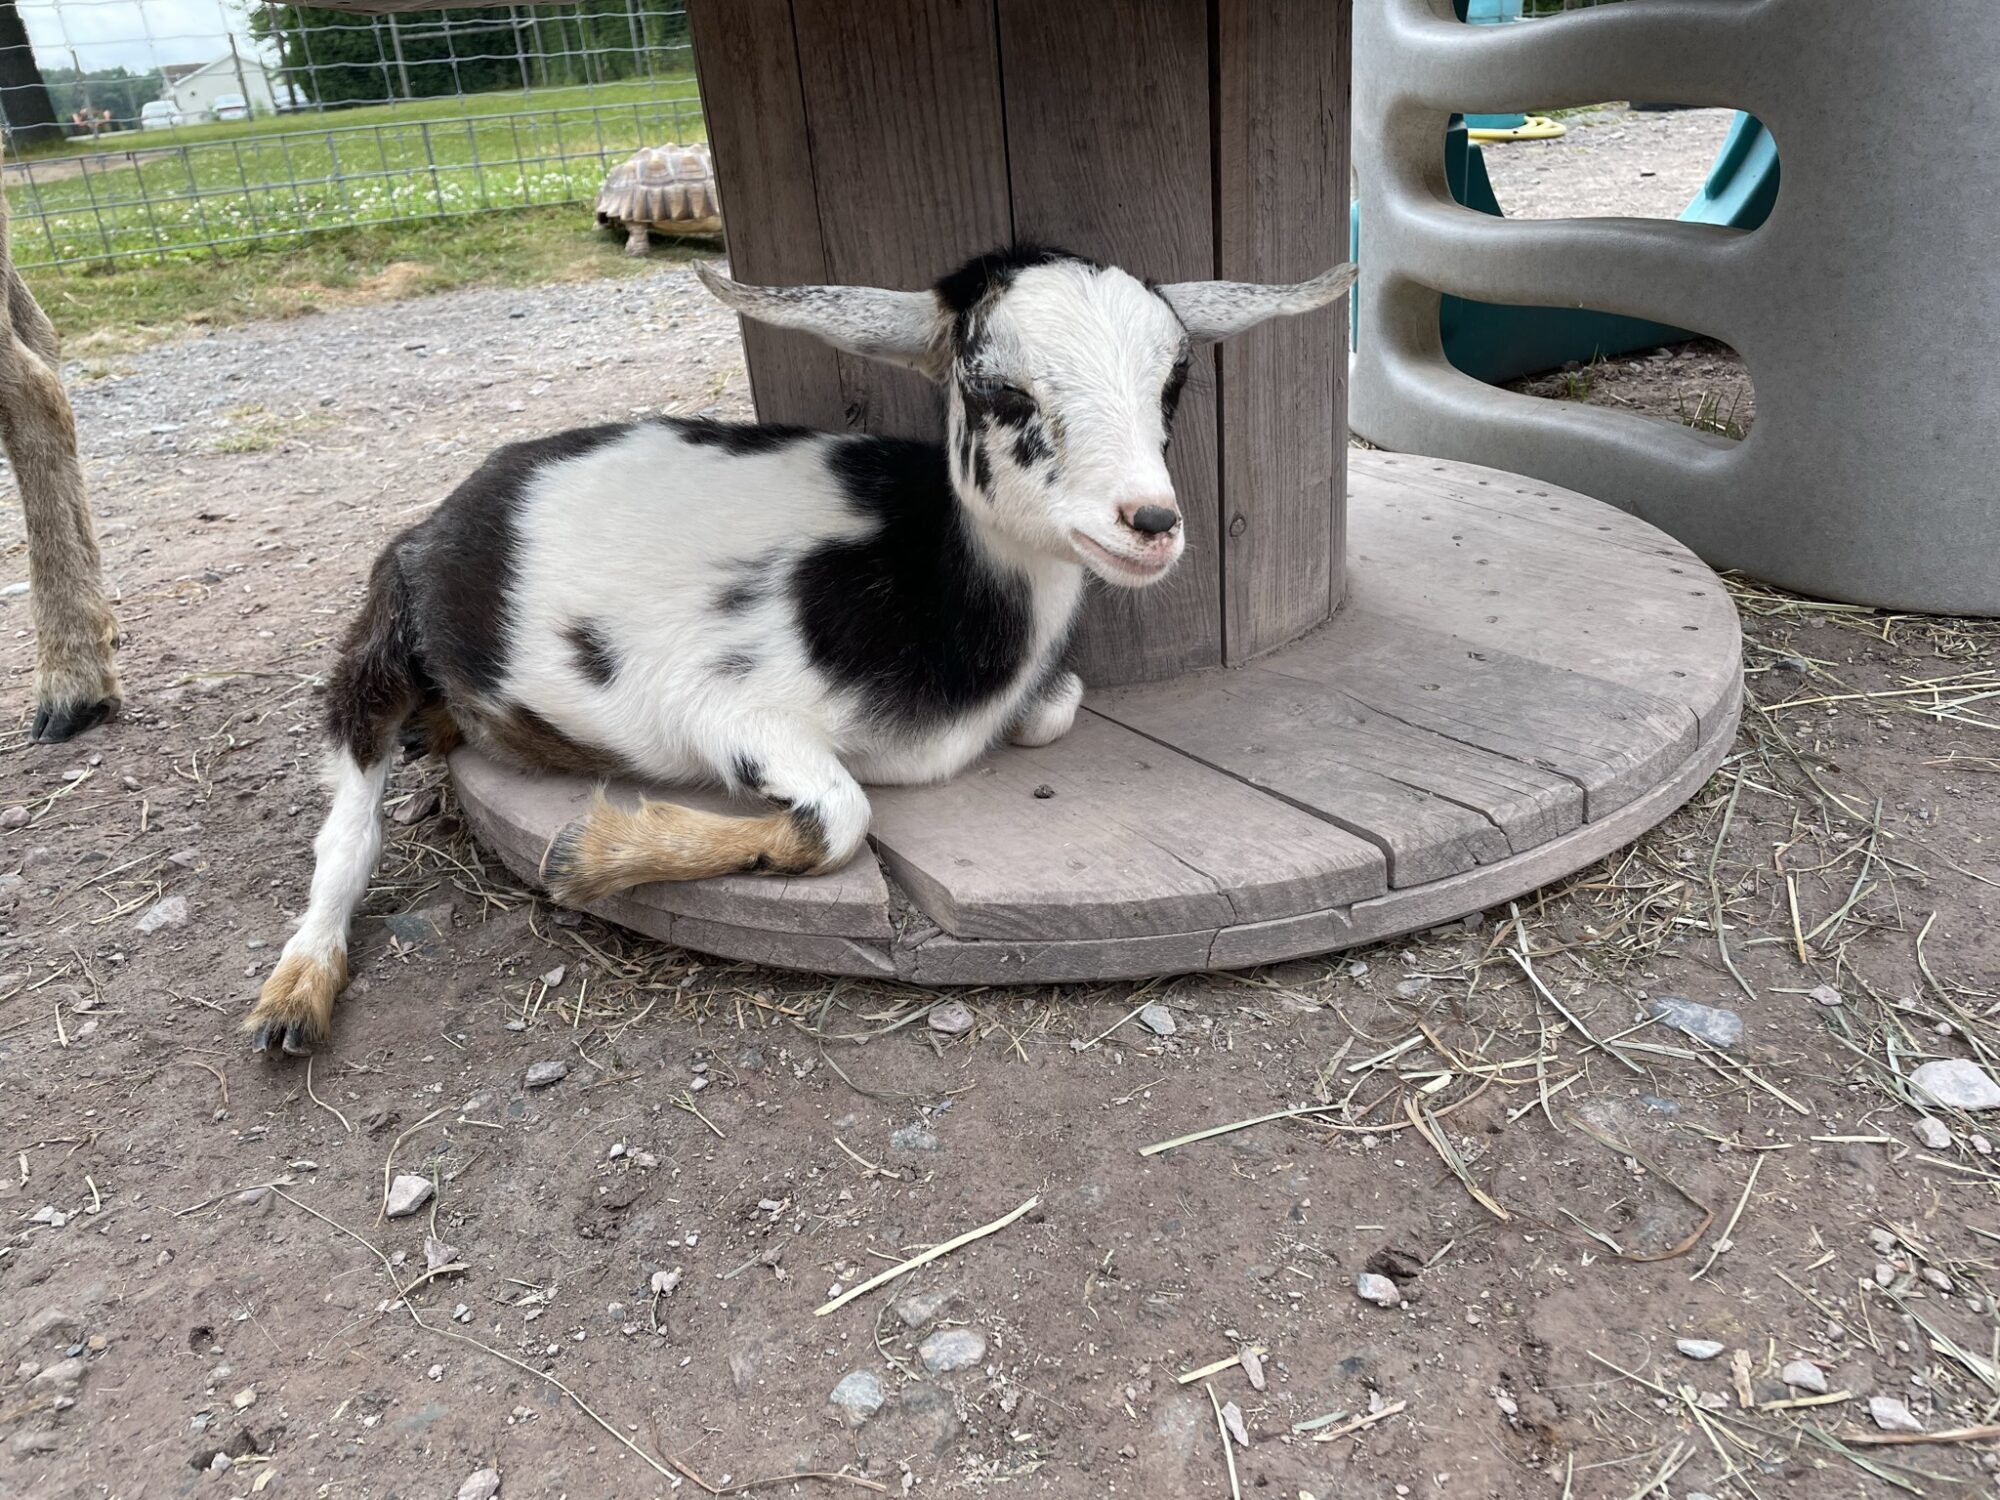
x,y
294,1012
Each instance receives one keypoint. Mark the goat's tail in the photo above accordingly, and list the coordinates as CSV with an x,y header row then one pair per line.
x,y
612,849
376,685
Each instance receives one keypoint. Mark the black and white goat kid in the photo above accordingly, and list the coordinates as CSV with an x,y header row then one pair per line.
x,y
785,612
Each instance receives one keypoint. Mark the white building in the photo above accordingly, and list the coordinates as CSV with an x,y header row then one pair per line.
x,y
193,88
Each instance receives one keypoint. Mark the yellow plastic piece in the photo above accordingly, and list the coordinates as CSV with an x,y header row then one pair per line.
x,y
1537,128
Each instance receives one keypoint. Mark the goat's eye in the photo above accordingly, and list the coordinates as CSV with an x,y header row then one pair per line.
x,y
1008,405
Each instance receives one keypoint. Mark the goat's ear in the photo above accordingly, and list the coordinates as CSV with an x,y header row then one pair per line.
x,y
1212,310
902,328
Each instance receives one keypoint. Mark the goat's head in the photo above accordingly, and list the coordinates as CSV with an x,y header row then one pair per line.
x,y
1061,379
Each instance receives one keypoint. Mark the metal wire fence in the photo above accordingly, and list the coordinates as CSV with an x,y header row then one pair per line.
x,y
304,120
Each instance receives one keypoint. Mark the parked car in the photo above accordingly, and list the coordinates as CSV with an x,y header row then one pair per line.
x,y
161,114
230,107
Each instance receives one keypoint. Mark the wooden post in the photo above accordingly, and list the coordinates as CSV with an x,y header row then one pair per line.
x,y
1177,138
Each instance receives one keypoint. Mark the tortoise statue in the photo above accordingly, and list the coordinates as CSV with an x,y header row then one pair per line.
x,y
668,188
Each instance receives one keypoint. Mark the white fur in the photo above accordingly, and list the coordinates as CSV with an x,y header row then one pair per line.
x,y
344,857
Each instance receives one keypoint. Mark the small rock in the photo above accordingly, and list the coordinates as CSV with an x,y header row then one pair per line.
x,y
858,1396
420,929
244,1399
1885,1274
1415,985
1933,1133
952,1349
1379,1290
1958,1084
924,1308
664,1282
1935,1278
1711,1024
1804,1375
419,806
437,1254
26,1444
1253,1366
1881,1241
480,1484
915,1138
1232,1419
1157,1019
12,818
542,1074
949,1019
63,1375
170,911
1892,1415
1699,1348
408,1193
554,978
1824,994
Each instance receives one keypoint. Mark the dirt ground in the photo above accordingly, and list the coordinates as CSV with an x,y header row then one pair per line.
x,y
1555,1188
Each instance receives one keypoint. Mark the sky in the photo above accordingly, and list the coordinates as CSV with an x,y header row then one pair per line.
x,y
134,34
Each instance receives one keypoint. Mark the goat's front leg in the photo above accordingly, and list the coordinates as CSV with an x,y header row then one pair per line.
x,y
822,821
1050,714
76,678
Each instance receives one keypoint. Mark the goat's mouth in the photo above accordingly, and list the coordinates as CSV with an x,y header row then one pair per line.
x,y
1121,567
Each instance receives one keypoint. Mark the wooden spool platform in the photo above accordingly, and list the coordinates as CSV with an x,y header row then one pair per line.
x,y
1520,681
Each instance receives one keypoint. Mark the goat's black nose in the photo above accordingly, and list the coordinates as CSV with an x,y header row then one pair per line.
x,y
1150,520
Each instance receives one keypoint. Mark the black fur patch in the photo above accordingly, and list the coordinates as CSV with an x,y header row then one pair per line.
x,y
1170,394
911,615
375,683
988,275
1030,447
459,562
738,437
982,472
735,664
594,656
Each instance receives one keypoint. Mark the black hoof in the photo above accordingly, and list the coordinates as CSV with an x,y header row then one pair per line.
x,y
286,1037
65,721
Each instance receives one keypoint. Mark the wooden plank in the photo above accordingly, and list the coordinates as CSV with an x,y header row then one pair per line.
x,y
1282,215
1108,151
903,106
748,66
1570,597
1132,839
1435,807
1475,890
950,960
516,815
1613,741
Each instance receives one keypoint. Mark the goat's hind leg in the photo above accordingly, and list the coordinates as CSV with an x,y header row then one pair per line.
x,y
374,688
821,822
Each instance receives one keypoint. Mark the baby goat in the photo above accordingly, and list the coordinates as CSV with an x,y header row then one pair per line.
x,y
788,613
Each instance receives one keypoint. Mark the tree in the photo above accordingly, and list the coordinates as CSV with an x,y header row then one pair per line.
x,y
24,97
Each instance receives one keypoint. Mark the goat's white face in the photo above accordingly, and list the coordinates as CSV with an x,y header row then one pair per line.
x,y
1060,394
1061,377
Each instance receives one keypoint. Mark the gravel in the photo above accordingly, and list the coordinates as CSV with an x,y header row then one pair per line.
x,y
1379,1290
1712,1024
1804,1375
915,1138
1934,1133
172,911
542,1074
1958,1084
480,1484
950,1019
1891,1414
1158,1020
1699,1348
408,1193
952,1349
924,1308
858,1396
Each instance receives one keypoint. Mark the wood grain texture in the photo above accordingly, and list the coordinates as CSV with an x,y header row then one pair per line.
x,y
748,67
1130,839
903,106
516,814
1432,805
1108,150
1282,215
1582,587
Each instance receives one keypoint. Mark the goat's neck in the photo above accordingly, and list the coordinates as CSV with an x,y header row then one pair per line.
x,y
1059,575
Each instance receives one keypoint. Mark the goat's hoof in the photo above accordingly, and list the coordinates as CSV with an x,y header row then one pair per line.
x,y
56,722
294,1012
288,1037
563,869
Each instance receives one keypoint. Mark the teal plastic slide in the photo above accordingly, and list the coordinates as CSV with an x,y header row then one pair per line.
x,y
1498,343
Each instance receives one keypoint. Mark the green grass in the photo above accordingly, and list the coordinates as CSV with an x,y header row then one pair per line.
x,y
116,307
165,195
